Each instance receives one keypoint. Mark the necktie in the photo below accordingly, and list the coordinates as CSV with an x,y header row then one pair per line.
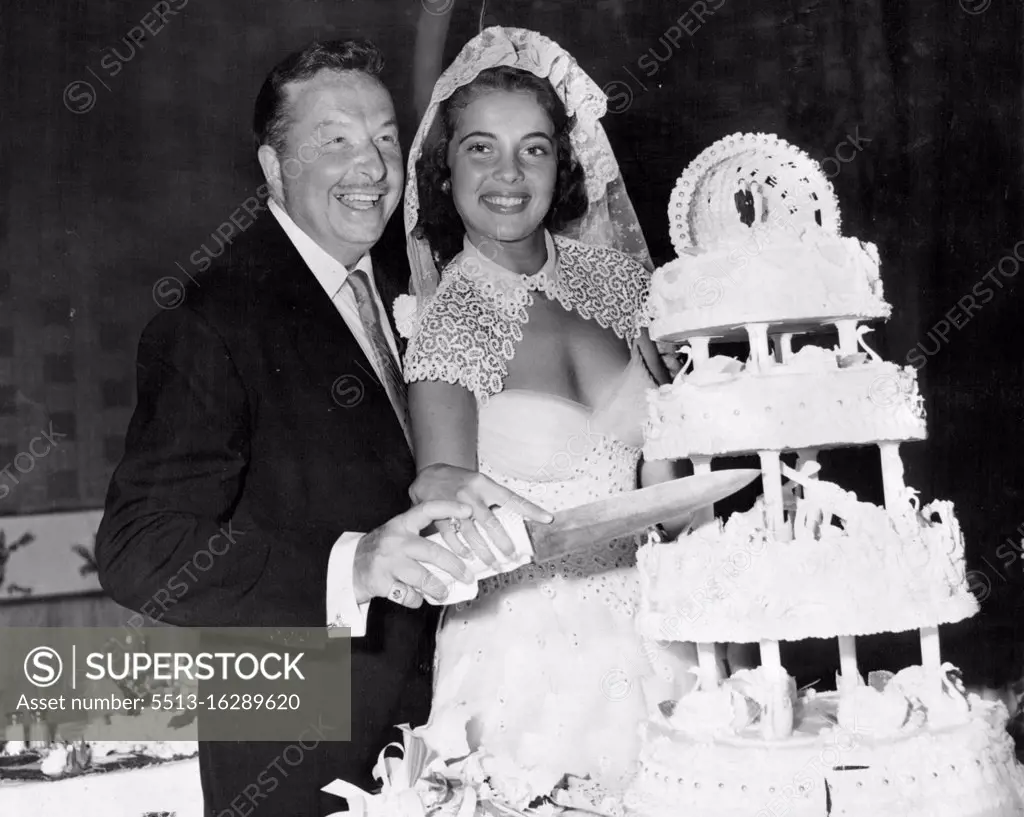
x,y
384,361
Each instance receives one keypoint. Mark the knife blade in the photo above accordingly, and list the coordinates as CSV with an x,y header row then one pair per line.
x,y
581,528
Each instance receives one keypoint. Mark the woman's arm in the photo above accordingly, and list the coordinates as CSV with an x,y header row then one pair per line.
x,y
655,365
654,471
444,424
444,427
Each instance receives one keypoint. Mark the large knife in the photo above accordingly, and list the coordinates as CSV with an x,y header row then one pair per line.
x,y
581,528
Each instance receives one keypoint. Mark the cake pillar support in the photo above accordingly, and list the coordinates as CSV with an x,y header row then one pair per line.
x,y
931,658
770,654
783,344
760,356
771,478
707,658
848,663
892,476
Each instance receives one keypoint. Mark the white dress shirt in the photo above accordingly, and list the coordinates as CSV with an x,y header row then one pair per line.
x,y
342,609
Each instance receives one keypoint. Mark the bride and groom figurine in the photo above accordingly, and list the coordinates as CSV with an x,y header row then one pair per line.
x,y
273,398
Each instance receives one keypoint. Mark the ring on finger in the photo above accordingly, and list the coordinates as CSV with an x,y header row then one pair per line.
x,y
456,524
399,592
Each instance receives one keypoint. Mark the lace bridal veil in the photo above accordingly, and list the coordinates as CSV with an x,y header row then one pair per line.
x,y
610,220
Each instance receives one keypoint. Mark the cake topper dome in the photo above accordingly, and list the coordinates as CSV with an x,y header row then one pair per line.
x,y
748,179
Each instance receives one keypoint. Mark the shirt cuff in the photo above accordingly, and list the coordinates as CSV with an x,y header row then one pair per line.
x,y
342,609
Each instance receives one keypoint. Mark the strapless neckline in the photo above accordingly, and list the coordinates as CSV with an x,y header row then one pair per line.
x,y
544,395
523,432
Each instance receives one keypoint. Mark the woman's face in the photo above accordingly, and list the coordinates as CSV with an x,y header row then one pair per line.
x,y
504,164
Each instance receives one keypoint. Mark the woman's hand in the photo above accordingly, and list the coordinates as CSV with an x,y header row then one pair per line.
x,y
454,484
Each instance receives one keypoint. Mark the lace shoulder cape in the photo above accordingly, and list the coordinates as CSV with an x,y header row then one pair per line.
x,y
467,332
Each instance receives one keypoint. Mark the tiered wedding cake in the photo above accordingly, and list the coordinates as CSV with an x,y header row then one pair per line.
x,y
760,259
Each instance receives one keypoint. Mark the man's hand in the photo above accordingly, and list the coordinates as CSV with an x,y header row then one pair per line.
x,y
393,556
451,483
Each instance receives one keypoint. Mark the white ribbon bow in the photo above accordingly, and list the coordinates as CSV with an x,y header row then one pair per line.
x,y
398,776
397,798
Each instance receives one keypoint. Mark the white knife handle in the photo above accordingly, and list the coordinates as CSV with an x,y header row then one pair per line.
x,y
464,591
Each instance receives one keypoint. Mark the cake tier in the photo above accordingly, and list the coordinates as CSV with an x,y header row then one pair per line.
x,y
794,283
963,770
851,568
784,408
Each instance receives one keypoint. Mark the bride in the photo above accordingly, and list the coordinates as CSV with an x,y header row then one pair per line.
x,y
527,364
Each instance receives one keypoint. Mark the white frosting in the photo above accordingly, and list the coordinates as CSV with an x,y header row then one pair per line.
x,y
954,771
872,572
746,705
810,402
944,703
756,229
763,699
879,713
755,226
707,713
773,277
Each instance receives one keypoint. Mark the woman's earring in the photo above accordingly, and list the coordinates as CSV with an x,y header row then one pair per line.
x,y
446,186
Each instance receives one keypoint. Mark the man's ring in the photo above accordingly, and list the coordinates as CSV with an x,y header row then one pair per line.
x,y
456,524
398,593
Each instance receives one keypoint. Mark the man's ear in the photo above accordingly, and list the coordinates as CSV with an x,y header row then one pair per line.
x,y
272,172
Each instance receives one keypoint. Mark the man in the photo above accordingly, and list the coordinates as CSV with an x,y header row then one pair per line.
x,y
271,433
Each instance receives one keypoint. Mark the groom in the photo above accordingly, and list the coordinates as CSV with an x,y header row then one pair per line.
x,y
271,435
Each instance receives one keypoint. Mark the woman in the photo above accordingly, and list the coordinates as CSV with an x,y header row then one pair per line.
x,y
527,365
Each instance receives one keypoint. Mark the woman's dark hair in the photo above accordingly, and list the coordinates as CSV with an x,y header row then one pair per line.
x,y
270,119
439,222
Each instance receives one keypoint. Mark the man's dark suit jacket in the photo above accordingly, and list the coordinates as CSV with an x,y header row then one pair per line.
x,y
238,421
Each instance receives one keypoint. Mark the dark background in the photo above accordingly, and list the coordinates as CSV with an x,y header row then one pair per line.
x,y
104,196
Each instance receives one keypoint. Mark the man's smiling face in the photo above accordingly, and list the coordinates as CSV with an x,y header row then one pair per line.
x,y
341,176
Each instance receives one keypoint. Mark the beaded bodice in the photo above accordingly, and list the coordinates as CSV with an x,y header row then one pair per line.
x,y
561,462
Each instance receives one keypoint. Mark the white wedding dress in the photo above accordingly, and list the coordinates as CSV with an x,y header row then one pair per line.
x,y
544,668
545,664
